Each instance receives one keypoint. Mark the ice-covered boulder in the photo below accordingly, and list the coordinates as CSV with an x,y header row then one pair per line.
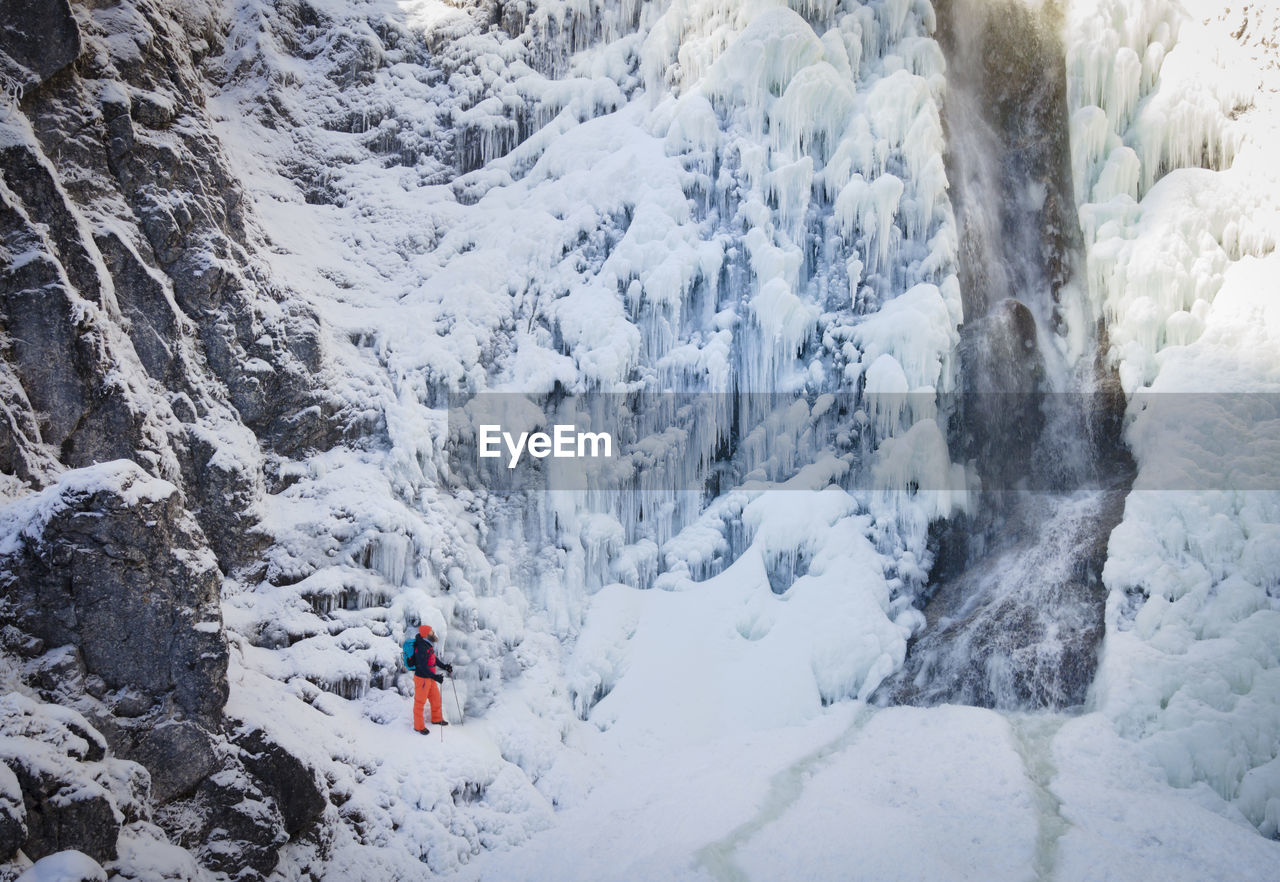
x,y
288,780
65,866
65,800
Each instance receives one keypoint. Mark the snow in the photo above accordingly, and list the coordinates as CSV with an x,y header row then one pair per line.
x,y
918,330
11,794
651,817
1124,823
709,197
904,771
746,204
27,516
53,743
451,793
1186,280
65,866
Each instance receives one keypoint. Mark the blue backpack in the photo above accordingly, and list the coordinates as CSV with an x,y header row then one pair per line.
x,y
409,660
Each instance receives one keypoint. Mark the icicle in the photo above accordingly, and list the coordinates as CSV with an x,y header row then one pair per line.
x,y
1182,328
762,60
1124,84
917,463
836,53
886,393
390,555
785,322
694,127
918,328
789,186
870,209
1152,60
1119,176
812,113
894,102
1089,133
854,153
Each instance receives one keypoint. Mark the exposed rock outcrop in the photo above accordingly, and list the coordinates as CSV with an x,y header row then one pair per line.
x,y
145,348
59,763
13,814
108,569
286,779
121,571
128,250
40,38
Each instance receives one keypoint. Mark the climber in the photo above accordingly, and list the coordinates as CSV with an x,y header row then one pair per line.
x,y
426,679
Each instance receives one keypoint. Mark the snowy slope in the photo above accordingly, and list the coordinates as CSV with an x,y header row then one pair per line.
x,y
688,197
476,282
719,198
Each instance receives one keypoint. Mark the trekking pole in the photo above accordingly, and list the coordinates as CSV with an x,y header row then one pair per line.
x,y
455,697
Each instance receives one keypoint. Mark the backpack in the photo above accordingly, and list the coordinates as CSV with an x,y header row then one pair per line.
x,y
409,660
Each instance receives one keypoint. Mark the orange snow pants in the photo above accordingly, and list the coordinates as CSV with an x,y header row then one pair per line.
x,y
426,690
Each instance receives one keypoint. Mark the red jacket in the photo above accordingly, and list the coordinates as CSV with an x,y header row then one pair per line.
x,y
425,661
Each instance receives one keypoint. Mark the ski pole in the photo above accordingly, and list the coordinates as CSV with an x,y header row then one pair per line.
x,y
455,697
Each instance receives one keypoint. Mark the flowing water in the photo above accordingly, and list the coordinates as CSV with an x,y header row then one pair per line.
x,y
1015,609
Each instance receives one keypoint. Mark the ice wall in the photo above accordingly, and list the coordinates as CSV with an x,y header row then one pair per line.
x,y
1169,130
716,198
585,199
745,204
812,143
726,200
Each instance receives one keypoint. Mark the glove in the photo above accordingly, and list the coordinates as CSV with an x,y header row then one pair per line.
x,y
448,668
439,678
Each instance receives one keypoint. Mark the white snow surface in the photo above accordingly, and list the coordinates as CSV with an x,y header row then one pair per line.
x,y
621,166
65,866
716,196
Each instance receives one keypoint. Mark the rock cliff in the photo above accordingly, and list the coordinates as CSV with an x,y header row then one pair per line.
x,y
147,367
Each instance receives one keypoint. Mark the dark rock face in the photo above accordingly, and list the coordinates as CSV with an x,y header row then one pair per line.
x,y
285,778
179,756
132,585
229,824
39,35
74,415
137,329
168,292
57,760
235,816
86,823
13,814
114,573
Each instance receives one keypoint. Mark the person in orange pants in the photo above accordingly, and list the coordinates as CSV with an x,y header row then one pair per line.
x,y
427,680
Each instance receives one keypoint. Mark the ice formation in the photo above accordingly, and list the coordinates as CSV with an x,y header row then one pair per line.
x,y
1175,202
740,209
713,199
